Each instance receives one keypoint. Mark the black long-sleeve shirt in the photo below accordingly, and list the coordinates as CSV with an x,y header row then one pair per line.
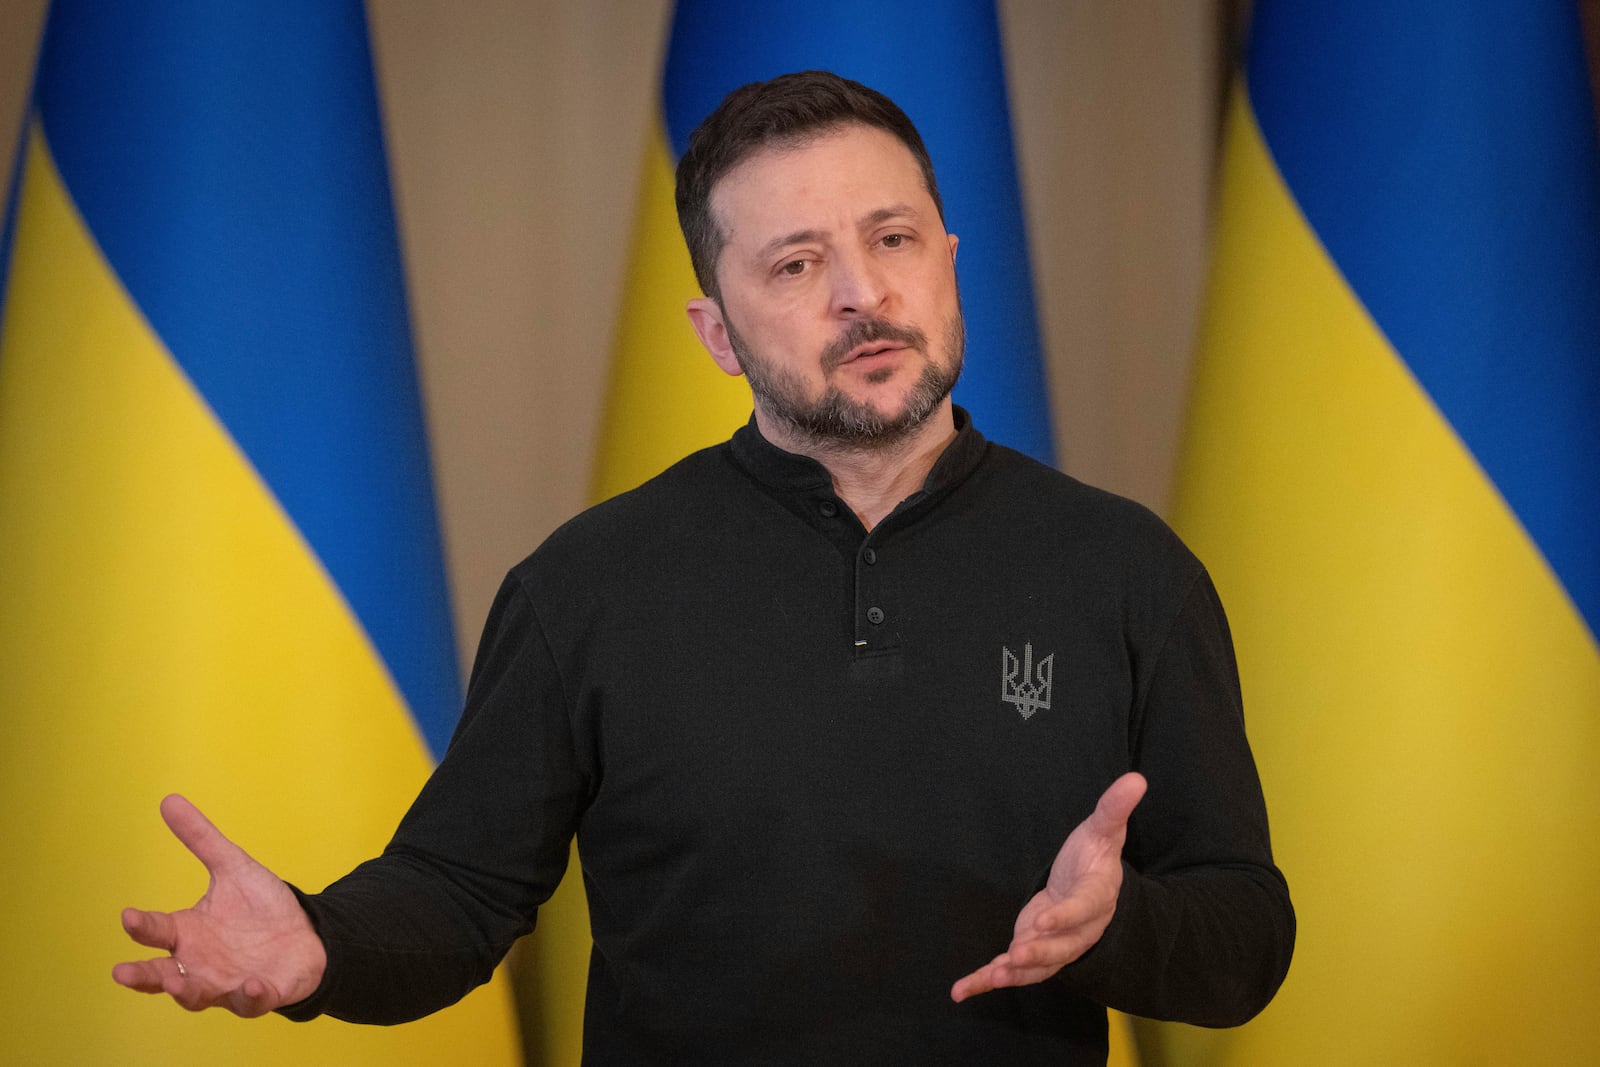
x,y
814,773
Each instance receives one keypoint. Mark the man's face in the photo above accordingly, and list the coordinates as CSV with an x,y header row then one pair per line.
x,y
839,298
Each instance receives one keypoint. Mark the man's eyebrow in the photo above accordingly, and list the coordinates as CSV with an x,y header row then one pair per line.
x,y
884,214
775,245
872,218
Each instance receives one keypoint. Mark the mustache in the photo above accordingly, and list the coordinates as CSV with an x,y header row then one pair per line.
x,y
863,331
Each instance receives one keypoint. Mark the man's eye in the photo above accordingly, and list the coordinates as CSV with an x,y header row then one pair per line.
x,y
894,240
794,266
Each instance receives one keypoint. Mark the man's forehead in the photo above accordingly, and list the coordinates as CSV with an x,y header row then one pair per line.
x,y
859,135
758,182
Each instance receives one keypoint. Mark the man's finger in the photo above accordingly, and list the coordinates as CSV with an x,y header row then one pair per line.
x,y
198,834
141,976
1116,804
1005,972
190,994
153,929
979,981
1047,951
1071,911
253,998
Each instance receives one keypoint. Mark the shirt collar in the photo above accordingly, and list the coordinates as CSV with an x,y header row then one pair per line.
x,y
781,470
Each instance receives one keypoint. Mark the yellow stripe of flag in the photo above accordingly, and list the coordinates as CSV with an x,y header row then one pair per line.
x,y
1423,697
164,626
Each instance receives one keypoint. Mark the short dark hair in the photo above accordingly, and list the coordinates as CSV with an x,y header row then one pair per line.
x,y
786,111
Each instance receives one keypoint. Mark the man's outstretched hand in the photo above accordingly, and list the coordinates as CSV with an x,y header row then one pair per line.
x,y
1066,918
246,945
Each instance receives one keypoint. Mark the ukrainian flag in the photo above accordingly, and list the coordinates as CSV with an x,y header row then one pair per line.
x,y
221,568
1393,471
940,60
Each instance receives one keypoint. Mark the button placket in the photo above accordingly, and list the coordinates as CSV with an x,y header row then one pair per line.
x,y
873,601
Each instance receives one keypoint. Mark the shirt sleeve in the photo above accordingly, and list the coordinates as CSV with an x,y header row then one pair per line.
x,y
484,844
1204,928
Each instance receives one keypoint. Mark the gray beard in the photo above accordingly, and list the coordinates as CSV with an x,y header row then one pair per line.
x,y
836,420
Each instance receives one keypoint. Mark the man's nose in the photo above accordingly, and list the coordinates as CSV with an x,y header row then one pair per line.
x,y
860,285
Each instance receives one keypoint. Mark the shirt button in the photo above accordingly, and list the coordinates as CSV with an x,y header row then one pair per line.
x,y
869,555
874,615
828,508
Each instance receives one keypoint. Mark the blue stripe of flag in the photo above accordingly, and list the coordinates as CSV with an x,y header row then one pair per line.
x,y
228,159
940,60
1445,153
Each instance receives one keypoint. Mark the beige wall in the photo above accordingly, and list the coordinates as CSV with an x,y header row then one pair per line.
x,y
515,135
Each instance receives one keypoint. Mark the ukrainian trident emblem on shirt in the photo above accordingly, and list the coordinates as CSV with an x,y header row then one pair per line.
x,y
1024,683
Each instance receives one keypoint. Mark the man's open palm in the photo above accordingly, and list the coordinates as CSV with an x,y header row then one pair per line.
x,y
1066,918
246,945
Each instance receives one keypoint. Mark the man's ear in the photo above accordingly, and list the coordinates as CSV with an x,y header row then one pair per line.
x,y
706,316
954,240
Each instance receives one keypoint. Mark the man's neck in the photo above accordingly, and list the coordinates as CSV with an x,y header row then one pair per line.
x,y
871,481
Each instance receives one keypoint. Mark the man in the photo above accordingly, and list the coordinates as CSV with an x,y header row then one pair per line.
x,y
836,709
